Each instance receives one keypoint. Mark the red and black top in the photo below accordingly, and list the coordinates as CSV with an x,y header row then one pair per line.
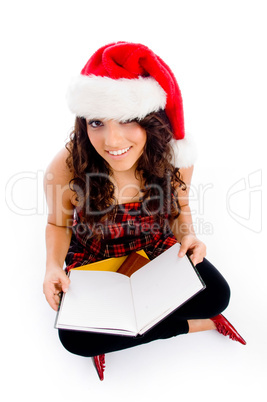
x,y
133,228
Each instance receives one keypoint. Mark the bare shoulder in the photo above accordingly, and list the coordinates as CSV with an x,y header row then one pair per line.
x,y
186,174
58,176
58,170
60,198
186,177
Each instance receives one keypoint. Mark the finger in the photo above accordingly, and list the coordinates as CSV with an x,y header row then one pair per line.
x,y
54,305
65,282
183,248
195,260
52,296
65,286
53,301
62,283
52,287
197,256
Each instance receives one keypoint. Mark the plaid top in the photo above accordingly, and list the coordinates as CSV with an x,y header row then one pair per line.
x,y
133,228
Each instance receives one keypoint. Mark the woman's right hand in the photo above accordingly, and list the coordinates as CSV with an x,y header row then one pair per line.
x,y
55,281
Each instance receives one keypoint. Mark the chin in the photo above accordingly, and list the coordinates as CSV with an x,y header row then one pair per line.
x,y
122,167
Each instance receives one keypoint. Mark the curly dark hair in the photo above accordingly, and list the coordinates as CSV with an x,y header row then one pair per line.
x,y
95,191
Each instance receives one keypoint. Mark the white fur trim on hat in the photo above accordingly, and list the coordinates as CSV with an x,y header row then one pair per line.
x,y
185,151
119,99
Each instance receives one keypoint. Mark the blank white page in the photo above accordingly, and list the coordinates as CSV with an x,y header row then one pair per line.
x,y
162,285
98,299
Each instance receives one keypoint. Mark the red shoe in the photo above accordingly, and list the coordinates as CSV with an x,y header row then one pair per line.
x,y
100,365
224,327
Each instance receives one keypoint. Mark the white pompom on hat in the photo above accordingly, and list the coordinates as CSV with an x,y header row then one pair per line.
x,y
125,81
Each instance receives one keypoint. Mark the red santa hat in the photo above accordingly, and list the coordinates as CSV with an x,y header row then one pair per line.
x,y
125,81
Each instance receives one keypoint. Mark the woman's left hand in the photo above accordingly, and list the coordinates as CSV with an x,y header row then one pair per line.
x,y
195,248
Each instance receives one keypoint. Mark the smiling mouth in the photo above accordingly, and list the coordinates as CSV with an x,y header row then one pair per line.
x,y
119,152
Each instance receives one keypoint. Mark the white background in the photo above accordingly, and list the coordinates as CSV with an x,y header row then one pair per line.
x,y
217,50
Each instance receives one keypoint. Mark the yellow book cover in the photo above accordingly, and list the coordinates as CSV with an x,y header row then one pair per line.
x,y
110,264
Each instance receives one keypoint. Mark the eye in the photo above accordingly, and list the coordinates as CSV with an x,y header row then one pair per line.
x,y
95,123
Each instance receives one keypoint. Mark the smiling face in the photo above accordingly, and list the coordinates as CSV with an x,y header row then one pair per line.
x,y
120,144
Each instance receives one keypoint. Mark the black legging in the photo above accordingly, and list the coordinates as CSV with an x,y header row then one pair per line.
x,y
208,303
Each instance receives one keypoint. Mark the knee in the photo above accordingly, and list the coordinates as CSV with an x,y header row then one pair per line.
x,y
223,296
74,343
217,293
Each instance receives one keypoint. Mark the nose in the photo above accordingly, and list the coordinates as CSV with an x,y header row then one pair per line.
x,y
113,137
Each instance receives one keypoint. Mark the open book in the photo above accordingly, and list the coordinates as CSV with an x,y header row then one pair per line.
x,y
111,302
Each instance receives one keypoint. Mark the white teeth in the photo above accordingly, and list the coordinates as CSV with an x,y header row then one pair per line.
x,y
121,151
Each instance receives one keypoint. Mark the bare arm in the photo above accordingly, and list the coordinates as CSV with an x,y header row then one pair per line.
x,y
183,228
183,225
58,229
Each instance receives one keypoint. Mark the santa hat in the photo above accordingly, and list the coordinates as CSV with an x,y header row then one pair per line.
x,y
125,81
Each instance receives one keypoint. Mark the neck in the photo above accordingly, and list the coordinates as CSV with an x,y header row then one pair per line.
x,y
127,186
